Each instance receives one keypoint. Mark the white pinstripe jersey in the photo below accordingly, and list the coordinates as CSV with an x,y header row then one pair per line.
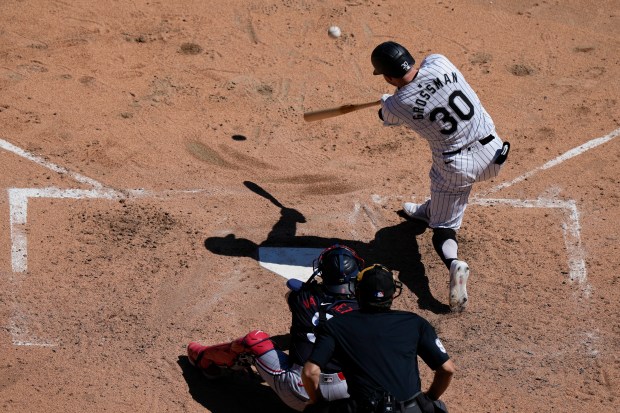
x,y
440,106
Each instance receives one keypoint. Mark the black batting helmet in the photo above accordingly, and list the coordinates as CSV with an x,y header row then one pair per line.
x,y
338,267
391,59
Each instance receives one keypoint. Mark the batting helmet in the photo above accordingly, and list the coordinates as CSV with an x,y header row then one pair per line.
x,y
338,267
391,59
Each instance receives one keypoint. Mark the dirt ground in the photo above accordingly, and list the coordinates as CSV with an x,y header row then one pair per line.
x,y
150,149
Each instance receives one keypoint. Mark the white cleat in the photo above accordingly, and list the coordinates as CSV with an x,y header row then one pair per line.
x,y
417,211
459,273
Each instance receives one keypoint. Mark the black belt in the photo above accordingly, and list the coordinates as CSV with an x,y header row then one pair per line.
x,y
410,406
483,141
388,404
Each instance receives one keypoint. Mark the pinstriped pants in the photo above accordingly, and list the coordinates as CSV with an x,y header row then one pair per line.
x,y
452,177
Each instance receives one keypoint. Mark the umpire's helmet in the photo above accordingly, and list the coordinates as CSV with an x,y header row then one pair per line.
x,y
376,288
338,267
391,59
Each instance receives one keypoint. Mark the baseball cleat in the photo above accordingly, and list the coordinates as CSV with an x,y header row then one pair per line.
x,y
459,272
416,211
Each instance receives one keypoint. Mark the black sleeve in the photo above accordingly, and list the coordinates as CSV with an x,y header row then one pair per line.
x,y
323,347
380,114
430,348
291,299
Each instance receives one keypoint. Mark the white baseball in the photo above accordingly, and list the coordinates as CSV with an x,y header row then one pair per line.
x,y
334,31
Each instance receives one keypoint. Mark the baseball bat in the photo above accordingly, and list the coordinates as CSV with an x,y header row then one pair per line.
x,y
340,110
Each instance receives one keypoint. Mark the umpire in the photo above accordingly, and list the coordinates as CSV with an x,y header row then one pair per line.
x,y
378,349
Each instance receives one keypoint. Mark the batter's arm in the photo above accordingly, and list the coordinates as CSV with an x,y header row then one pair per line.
x,y
386,112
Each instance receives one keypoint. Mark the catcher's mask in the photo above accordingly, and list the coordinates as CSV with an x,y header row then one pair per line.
x,y
376,285
338,267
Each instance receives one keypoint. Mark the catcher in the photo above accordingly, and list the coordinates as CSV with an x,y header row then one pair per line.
x,y
309,303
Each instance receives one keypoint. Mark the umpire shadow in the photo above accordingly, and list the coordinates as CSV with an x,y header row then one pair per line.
x,y
235,394
395,247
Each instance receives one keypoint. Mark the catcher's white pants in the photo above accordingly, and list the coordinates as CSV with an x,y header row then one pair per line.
x,y
285,379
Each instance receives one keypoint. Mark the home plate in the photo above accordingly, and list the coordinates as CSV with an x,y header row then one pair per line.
x,y
289,262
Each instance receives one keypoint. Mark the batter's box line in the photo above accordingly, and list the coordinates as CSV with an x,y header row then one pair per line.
x,y
18,211
8,146
18,217
550,164
571,231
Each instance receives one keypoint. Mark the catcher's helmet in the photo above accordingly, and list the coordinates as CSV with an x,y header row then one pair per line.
x,y
338,267
391,59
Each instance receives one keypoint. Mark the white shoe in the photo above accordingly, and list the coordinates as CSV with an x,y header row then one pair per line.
x,y
417,211
459,272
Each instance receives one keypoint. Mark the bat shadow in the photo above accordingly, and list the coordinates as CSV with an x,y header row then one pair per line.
x,y
395,247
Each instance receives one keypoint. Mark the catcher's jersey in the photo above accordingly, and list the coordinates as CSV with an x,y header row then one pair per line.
x,y
440,106
304,305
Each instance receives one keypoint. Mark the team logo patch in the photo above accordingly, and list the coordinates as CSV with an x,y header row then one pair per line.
x,y
328,379
405,66
440,345
379,294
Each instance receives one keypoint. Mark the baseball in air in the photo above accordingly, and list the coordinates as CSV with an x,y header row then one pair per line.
x,y
334,31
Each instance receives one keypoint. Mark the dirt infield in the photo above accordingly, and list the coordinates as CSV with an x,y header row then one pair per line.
x,y
150,152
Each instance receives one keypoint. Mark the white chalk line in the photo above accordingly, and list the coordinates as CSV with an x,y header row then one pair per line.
x,y
49,165
18,205
18,211
18,215
571,231
565,156
18,218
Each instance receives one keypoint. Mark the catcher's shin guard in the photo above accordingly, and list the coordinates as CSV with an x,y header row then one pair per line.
x,y
257,343
224,354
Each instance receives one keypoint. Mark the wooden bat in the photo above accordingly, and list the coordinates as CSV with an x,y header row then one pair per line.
x,y
340,110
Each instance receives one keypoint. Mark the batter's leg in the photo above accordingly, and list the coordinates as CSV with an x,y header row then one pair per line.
x,y
444,241
447,210
445,244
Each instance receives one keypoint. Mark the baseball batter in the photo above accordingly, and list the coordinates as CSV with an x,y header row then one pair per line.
x,y
441,107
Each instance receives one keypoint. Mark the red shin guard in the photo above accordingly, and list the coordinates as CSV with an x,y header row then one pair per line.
x,y
257,343
220,354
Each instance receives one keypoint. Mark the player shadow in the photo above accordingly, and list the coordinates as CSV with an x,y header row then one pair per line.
x,y
395,247
237,393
